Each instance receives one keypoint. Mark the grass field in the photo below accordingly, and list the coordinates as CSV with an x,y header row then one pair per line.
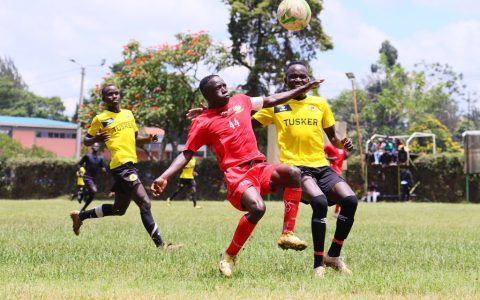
x,y
396,250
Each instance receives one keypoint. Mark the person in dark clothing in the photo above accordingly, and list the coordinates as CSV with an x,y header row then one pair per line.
x,y
406,181
93,162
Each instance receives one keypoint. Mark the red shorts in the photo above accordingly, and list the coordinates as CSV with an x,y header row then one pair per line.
x,y
240,178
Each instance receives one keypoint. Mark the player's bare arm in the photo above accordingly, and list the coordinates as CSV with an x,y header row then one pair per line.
x,y
178,164
100,137
151,138
280,98
337,141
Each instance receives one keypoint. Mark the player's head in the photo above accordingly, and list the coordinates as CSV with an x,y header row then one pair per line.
x,y
111,95
95,147
214,90
296,74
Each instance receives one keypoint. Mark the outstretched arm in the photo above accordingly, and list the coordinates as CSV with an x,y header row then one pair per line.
x,y
145,140
275,99
179,163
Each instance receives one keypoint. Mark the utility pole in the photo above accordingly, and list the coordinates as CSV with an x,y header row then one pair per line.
x,y
351,76
78,144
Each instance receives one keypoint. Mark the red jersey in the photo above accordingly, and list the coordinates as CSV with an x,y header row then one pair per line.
x,y
340,154
227,131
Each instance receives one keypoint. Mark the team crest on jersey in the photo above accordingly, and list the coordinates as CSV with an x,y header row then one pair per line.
x,y
107,122
282,108
132,177
237,109
312,108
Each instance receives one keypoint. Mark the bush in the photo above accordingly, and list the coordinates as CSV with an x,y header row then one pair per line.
x,y
441,178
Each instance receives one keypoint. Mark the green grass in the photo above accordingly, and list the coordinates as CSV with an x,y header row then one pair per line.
x,y
396,250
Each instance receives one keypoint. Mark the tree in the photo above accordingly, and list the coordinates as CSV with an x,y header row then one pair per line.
x,y
396,99
159,84
16,100
262,46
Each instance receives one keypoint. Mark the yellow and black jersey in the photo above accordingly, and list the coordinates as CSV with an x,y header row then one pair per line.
x,y
299,125
122,129
187,172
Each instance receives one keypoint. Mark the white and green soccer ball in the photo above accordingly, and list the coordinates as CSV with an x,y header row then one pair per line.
x,y
294,15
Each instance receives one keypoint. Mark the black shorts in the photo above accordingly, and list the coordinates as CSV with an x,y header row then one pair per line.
x,y
325,177
190,183
125,178
90,183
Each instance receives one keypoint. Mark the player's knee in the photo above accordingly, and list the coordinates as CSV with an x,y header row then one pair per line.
x,y
349,206
319,206
258,210
295,174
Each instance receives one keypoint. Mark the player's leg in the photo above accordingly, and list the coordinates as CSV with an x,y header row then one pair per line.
x,y
343,195
289,178
180,187
91,190
253,203
141,198
118,208
193,191
313,195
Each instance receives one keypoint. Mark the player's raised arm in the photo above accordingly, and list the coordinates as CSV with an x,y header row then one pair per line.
x,y
178,164
276,99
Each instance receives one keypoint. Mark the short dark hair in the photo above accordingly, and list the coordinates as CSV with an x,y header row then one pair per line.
x,y
204,82
104,89
295,62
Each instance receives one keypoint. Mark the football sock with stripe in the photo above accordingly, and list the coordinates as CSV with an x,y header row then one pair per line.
x,y
97,212
241,235
319,224
344,224
291,200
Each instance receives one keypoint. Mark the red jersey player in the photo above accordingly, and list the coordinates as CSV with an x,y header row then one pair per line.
x,y
336,157
226,128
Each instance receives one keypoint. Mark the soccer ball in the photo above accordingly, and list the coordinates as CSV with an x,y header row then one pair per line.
x,y
294,15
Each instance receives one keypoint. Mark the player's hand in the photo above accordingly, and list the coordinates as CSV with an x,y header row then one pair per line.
x,y
347,144
102,136
313,84
196,111
153,138
158,185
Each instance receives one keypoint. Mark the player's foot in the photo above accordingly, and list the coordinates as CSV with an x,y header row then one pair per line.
x,y
198,206
171,247
226,264
289,241
75,215
319,271
337,264
168,201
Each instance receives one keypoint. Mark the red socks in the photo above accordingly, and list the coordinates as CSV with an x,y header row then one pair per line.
x,y
241,235
291,199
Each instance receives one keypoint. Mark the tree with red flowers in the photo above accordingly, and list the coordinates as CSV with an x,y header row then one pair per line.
x,y
159,84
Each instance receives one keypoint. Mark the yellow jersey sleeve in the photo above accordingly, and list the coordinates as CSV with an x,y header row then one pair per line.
x,y
94,127
264,116
328,119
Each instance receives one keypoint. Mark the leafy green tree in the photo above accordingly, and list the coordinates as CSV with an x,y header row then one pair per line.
x,y
16,100
159,84
260,44
395,99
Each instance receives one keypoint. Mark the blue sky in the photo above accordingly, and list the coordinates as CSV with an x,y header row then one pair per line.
x,y
41,36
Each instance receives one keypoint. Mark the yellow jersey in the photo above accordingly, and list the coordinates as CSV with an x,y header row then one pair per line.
x,y
122,129
299,125
187,172
80,174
